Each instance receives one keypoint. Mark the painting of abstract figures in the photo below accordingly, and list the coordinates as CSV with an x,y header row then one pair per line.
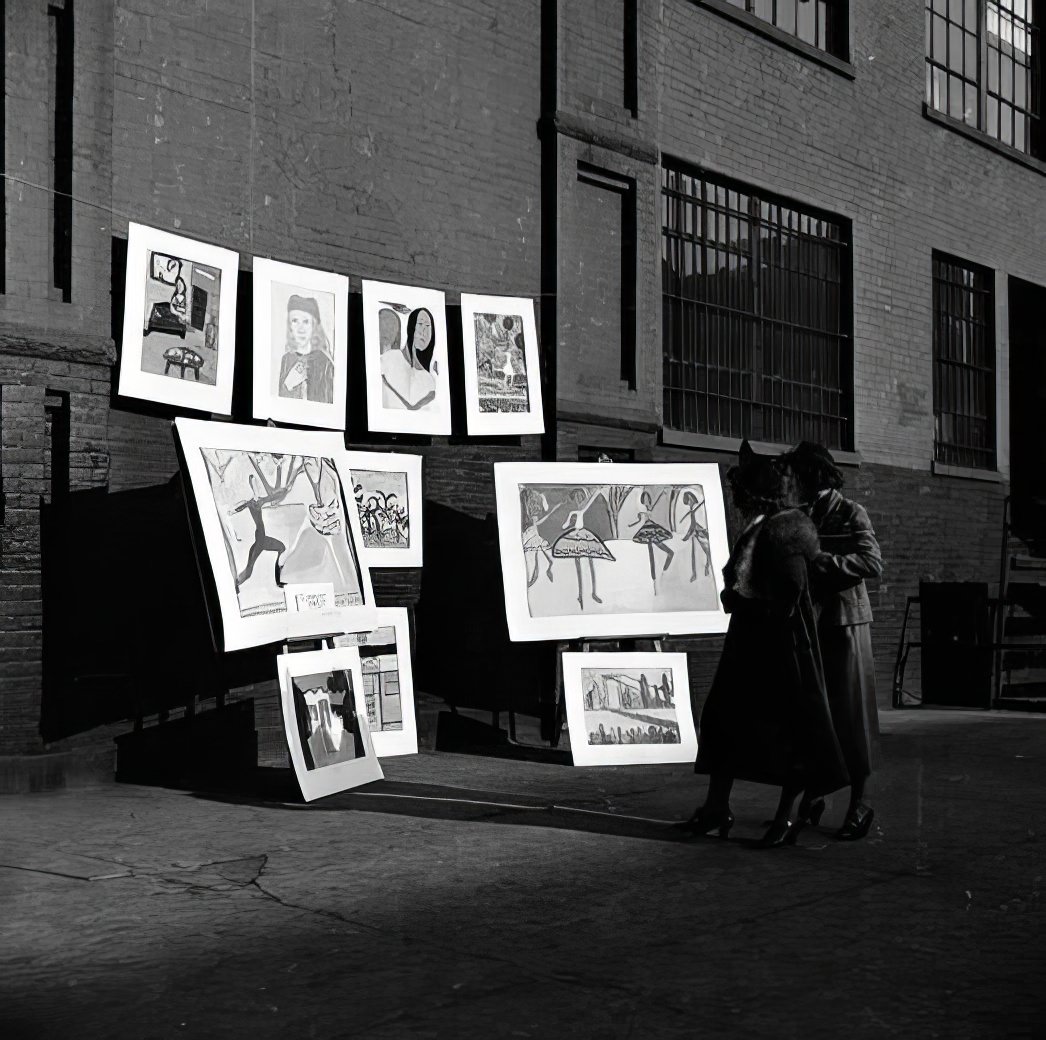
x,y
387,489
280,533
596,549
179,313
388,683
405,343
300,344
327,733
502,379
628,708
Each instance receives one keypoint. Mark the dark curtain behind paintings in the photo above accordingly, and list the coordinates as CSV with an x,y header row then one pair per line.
x,y
464,654
125,616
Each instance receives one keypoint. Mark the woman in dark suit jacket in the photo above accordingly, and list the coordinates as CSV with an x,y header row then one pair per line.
x,y
766,718
849,554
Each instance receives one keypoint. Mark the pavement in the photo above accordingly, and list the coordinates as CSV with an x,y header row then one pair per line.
x,y
474,896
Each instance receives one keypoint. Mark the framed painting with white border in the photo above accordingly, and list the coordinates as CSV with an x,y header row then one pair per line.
x,y
179,321
502,374
325,719
387,489
280,529
388,682
628,708
611,549
301,344
405,345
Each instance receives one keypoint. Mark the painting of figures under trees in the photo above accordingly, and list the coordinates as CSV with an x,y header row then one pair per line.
x,y
283,542
629,707
382,502
593,548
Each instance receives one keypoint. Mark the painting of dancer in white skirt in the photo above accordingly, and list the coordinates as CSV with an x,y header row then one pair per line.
x,y
593,550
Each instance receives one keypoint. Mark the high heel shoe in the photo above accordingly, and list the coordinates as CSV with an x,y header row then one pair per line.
x,y
810,812
704,821
857,824
776,836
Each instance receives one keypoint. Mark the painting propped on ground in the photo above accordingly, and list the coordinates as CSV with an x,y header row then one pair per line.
x,y
591,549
179,333
300,344
628,708
405,344
324,718
388,682
502,374
387,488
282,537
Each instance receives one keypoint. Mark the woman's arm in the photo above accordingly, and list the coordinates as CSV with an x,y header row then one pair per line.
x,y
863,558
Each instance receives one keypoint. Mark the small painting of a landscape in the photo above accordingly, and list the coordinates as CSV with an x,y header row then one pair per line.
x,y
381,498
180,327
629,706
324,709
501,365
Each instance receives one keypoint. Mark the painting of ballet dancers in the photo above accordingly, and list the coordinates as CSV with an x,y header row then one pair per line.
x,y
606,549
628,708
502,379
282,536
325,721
405,346
300,344
179,321
388,683
387,489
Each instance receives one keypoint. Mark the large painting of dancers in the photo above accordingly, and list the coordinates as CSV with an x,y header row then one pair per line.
x,y
628,708
597,549
325,719
281,531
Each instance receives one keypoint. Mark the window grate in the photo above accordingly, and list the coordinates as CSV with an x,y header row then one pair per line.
x,y
755,326
963,363
983,67
821,23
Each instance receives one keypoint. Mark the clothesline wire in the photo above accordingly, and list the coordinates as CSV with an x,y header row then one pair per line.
x,y
113,212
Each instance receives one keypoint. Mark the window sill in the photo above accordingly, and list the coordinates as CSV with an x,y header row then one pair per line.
x,y
989,476
708,442
981,138
779,36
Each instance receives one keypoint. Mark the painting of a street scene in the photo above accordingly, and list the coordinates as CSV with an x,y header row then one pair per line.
x,y
287,541
381,498
180,326
613,548
629,706
324,708
501,363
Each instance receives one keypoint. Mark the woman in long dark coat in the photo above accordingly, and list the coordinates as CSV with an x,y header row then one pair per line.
x,y
849,554
766,718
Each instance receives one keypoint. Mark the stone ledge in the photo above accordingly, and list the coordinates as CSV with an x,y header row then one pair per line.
x,y
82,767
57,346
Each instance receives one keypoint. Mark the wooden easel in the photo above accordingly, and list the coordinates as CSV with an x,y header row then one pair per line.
x,y
586,646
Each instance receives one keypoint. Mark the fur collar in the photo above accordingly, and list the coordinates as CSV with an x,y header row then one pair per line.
x,y
788,533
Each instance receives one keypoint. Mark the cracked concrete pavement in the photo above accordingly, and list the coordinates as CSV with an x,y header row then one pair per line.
x,y
467,896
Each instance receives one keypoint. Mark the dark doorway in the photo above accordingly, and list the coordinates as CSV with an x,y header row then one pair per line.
x,y
199,307
1028,409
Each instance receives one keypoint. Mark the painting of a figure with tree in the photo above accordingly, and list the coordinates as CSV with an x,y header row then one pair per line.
x,y
282,538
615,541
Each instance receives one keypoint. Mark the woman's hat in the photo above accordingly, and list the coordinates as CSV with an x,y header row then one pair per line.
x,y
306,304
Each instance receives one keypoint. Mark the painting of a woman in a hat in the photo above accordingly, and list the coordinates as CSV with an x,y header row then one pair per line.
x,y
307,367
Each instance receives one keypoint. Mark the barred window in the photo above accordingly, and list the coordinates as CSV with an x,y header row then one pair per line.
x,y
983,67
963,363
821,23
756,314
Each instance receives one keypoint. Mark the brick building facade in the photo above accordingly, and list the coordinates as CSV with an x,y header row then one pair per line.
x,y
487,147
